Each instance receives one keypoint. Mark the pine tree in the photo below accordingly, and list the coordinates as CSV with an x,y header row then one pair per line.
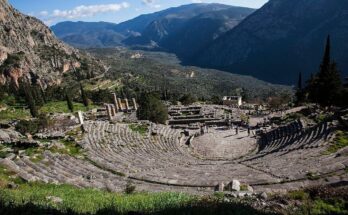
x,y
84,96
30,99
326,86
69,103
300,94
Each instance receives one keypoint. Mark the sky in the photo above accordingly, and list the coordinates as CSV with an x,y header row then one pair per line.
x,y
116,11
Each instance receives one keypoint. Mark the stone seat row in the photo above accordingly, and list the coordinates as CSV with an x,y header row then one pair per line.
x,y
64,169
298,139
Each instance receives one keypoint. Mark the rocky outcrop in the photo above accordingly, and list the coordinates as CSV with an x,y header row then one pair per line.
x,y
14,74
8,135
3,55
28,46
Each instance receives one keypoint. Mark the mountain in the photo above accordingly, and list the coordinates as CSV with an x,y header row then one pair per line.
x,y
185,33
29,49
87,34
182,30
280,40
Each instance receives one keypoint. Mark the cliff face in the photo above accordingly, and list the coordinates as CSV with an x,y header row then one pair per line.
x,y
28,47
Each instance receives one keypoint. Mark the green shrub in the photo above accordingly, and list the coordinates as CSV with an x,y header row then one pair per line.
x,y
337,206
340,142
141,129
187,99
61,107
130,188
298,195
151,108
27,126
312,176
244,187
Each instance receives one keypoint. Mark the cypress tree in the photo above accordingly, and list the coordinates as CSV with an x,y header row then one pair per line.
x,y
69,103
30,99
326,87
84,96
43,95
300,95
299,84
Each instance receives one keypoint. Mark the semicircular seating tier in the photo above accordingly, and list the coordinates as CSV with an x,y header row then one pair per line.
x,y
285,159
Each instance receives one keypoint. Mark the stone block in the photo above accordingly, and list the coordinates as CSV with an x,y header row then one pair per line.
x,y
235,185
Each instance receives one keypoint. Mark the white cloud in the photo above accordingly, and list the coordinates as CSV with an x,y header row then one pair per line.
x,y
83,11
148,2
44,13
151,3
197,1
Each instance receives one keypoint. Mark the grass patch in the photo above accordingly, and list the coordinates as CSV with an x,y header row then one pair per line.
x,y
338,206
312,176
36,198
35,154
62,107
292,117
322,118
7,176
219,195
340,142
70,148
319,200
140,128
3,154
12,113
90,201
298,195
243,187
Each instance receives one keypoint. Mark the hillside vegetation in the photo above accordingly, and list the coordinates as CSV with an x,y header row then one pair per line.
x,y
134,71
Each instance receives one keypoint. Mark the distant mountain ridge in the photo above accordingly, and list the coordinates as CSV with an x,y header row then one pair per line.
x,y
170,30
187,35
280,40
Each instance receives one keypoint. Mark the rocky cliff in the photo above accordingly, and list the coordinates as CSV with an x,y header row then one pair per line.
x,y
28,48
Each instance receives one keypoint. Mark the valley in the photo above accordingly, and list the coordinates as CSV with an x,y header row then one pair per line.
x,y
193,109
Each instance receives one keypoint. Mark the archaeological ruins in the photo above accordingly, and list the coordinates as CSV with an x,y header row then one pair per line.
x,y
201,149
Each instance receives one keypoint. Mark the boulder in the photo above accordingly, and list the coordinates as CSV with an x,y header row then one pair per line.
x,y
263,196
250,189
8,135
235,185
55,199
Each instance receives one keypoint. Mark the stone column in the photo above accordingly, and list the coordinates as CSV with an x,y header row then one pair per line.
x,y
135,104
113,110
221,187
120,104
80,117
127,104
108,111
115,102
